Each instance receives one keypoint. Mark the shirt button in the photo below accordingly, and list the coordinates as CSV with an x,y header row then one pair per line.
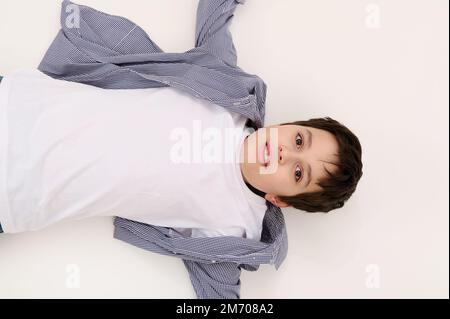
x,y
213,261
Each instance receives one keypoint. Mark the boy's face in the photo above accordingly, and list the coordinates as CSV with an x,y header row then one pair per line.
x,y
294,151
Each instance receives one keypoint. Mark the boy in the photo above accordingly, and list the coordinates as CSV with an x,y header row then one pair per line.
x,y
77,151
74,150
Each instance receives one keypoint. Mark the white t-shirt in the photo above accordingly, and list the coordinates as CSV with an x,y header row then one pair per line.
x,y
71,150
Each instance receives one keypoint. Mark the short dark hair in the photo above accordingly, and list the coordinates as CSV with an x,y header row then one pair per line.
x,y
338,187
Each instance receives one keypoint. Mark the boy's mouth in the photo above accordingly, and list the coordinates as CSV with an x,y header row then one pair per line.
x,y
264,154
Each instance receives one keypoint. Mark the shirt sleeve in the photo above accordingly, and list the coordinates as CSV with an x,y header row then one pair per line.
x,y
219,280
212,28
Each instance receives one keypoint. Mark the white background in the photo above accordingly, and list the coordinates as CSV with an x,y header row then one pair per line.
x,y
319,58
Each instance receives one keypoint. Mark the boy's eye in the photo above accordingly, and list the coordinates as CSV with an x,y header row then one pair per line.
x,y
298,139
298,171
298,174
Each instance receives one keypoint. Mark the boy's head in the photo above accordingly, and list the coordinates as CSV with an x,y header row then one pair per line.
x,y
319,164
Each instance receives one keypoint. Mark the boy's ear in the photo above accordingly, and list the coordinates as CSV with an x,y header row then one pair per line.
x,y
276,201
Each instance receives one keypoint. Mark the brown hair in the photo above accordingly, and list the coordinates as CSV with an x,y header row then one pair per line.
x,y
338,187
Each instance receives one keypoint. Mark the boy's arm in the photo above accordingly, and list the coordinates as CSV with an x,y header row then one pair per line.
x,y
212,33
219,280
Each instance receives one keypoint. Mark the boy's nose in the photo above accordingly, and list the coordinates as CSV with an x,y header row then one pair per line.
x,y
280,154
284,154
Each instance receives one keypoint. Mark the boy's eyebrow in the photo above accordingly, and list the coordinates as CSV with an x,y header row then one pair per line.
x,y
308,174
309,138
